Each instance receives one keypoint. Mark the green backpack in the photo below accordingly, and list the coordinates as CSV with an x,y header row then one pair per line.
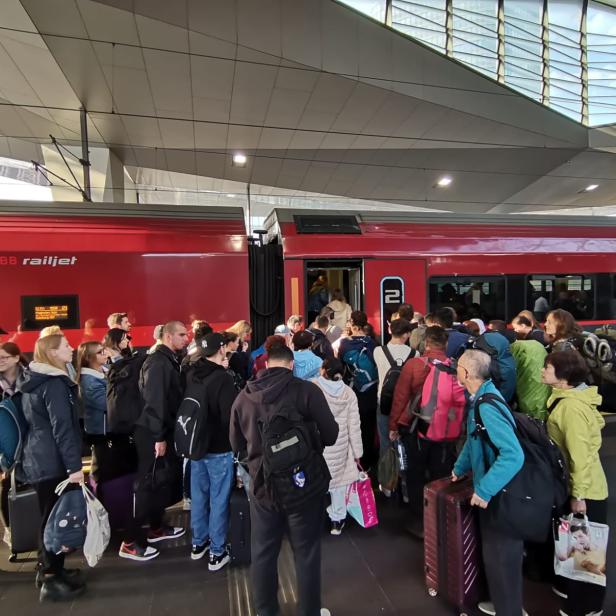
x,y
532,395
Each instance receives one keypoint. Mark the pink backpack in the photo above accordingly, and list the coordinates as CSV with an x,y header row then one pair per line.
x,y
441,402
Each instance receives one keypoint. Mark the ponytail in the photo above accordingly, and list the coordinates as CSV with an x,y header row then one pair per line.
x,y
333,369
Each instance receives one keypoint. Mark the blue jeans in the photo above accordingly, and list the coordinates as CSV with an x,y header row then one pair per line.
x,y
382,422
211,480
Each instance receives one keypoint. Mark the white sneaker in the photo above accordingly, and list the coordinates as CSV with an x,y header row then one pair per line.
x,y
325,612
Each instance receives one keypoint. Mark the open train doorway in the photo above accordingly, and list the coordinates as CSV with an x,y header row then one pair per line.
x,y
326,278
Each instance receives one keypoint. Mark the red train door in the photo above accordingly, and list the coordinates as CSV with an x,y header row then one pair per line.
x,y
390,282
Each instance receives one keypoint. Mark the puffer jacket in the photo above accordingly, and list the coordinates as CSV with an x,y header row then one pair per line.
x,y
342,313
341,456
575,426
52,447
94,396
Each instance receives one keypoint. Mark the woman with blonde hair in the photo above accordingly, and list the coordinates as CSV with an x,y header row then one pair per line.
x,y
91,357
52,451
239,360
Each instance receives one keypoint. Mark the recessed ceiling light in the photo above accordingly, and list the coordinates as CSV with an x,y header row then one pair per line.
x,y
591,187
444,181
239,159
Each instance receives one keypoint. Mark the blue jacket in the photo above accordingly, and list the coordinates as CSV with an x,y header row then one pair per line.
x,y
52,448
476,455
94,396
306,365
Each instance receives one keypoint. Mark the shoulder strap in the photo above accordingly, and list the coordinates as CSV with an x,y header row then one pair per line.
x,y
390,358
496,402
553,405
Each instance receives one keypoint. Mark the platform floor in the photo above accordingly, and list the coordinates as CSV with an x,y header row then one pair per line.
x,y
365,573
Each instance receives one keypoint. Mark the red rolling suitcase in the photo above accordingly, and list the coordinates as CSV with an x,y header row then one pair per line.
x,y
452,549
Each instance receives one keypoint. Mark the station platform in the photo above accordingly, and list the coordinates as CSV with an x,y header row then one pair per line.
x,y
373,572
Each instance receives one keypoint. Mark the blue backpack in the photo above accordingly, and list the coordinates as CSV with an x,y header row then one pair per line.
x,y
362,368
66,527
13,428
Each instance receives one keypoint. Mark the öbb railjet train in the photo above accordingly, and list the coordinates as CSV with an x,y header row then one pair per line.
x,y
74,264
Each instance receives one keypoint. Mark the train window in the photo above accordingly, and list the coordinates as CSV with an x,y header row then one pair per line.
x,y
38,311
327,224
470,296
574,293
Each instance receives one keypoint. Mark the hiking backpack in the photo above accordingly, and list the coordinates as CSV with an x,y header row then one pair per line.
x,y
502,363
13,428
362,369
294,469
524,507
124,401
391,378
441,402
191,434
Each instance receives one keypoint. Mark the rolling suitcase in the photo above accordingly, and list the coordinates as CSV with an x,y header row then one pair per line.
x,y
24,518
239,527
116,495
452,548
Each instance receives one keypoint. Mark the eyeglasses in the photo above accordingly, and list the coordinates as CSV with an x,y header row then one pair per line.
x,y
5,357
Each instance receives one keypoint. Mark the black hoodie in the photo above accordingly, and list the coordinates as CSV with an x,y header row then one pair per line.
x,y
260,397
221,393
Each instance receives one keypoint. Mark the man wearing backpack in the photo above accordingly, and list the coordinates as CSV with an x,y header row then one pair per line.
x,y
457,342
161,390
502,552
277,398
212,475
357,354
389,360
417,417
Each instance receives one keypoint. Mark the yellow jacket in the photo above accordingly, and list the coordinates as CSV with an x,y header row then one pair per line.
x,y
575,426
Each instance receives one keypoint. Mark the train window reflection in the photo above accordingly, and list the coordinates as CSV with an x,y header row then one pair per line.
x,y
571,292
470,296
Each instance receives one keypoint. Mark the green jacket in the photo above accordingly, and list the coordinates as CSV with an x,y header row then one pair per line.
x,y
531,393
575,426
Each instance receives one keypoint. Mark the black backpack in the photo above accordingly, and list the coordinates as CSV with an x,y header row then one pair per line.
x,y
191,434
390,380
124,401
524,508
293,467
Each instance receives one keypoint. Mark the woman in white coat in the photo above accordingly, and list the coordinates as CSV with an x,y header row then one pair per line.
x,y
343,457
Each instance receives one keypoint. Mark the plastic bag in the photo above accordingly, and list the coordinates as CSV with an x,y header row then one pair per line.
x,y
580,550
98,531
360,502
65,530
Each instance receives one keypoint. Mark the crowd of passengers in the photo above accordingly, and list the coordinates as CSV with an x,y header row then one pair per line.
x,y
307,363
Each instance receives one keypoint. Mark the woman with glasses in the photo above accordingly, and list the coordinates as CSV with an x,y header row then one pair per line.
x,y
91,357
12,365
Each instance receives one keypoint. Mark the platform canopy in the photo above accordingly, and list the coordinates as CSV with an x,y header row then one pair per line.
x,y
322,100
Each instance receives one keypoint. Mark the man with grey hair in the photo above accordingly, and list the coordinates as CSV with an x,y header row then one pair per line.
x,y
161,390
502,553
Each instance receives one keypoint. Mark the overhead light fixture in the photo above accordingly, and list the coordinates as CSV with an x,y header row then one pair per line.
x,y
591,187
444,181
239,159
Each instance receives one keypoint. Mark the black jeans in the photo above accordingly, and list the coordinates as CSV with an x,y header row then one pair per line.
x,y
5,486
45,491
304,529
584,598
146,510
502,559
367,402
426,461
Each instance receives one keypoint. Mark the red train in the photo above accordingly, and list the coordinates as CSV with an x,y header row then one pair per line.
x,y
73,264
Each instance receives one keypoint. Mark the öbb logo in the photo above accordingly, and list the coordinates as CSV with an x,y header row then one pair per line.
x,y
47,261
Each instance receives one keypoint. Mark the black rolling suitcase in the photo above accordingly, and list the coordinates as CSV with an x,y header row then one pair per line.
x,y
239,527
25,519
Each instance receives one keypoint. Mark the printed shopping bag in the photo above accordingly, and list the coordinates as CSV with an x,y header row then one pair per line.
x,y
98,532
360,502
580,550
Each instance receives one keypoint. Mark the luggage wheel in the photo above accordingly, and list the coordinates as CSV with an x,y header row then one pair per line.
x,y
13,557
432,592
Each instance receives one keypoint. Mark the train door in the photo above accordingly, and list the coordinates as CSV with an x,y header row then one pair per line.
x,y
324,279
389,283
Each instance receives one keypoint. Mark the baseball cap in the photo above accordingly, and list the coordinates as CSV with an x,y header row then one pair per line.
x,y
282,329
211,343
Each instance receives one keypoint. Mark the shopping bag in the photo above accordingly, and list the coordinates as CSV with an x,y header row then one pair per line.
x,y
389,470
360,502
580,550
98,531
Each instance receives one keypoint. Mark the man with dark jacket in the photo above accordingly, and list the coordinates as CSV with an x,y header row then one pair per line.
x,y
457,342
321,346
211,477
276,386
161,390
